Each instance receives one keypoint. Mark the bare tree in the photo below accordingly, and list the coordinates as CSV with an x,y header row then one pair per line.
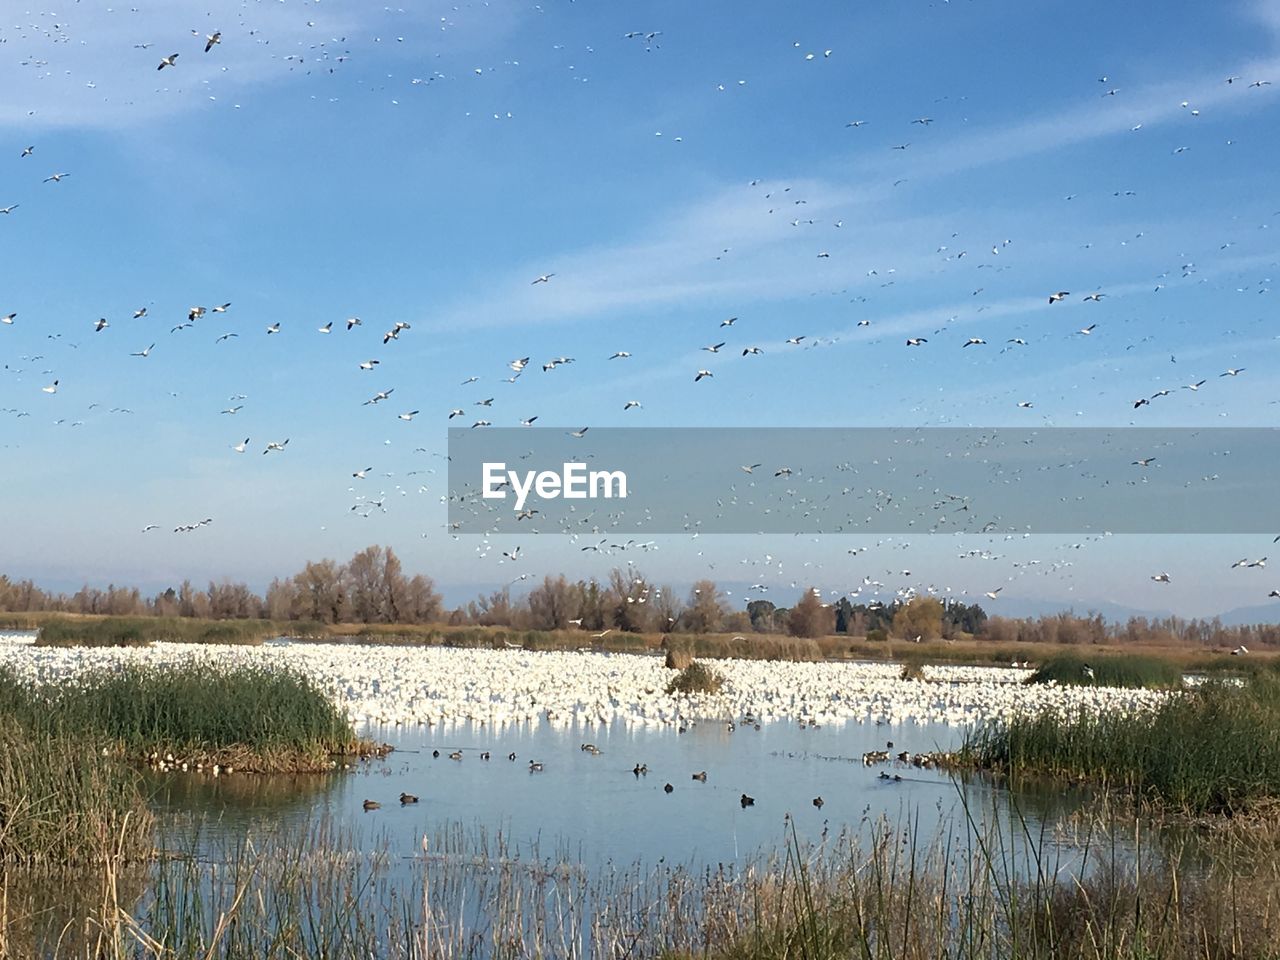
x,y
706,609
810,617
320,593
553,603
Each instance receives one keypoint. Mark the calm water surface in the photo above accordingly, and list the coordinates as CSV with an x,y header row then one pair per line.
x,y
593,809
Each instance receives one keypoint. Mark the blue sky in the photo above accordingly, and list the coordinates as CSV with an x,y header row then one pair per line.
x,y
424,164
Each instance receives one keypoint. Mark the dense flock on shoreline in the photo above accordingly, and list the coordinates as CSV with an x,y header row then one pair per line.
x,y
396,685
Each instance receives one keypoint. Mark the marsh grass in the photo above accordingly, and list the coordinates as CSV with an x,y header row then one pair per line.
x,y
265,718
253,718
1214,749
62,802
745,647
68,794
991,886
140,631
1110,670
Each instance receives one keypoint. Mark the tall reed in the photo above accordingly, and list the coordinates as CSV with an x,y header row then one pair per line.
x,y
1212,749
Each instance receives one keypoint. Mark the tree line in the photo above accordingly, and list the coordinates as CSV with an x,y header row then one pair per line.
x,y
372,587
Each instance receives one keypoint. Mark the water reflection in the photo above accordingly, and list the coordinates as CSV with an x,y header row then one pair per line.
x,y
592,802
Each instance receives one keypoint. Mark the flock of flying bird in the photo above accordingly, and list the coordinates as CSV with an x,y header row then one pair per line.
x,y
761,338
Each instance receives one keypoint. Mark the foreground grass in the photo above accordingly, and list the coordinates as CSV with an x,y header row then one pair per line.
x,y
1214,749
993,890
63,802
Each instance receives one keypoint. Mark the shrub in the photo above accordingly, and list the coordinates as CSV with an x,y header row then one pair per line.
x,y
695,678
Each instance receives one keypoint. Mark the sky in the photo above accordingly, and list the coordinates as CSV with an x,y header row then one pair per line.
x,y
668,166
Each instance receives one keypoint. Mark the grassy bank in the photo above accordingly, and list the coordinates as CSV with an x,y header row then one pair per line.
x,y
250,717
1214,749
140,631
200,713
883,892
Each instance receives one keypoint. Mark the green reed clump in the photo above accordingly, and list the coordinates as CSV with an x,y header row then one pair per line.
x,y
202,707
696,678
1125,670
63,802
140,631
1212,749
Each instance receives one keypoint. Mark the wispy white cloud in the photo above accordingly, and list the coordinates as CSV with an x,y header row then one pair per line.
x,y
674,260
